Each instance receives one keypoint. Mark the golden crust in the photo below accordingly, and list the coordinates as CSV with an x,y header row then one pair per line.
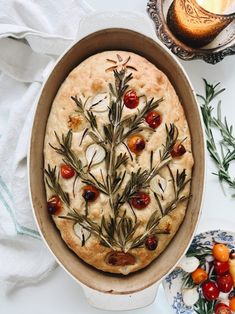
x,y
91,77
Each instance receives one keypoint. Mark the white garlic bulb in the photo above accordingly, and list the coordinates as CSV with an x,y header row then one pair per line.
x,y
81,233
99,103
95,154
190,296
189,264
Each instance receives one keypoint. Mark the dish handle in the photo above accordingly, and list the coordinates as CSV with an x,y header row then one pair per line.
x,y
122,19
121,302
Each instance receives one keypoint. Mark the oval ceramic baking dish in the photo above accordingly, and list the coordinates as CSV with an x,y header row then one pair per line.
x,y
116,39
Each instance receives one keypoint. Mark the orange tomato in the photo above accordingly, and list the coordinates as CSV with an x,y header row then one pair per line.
x,y
221,252
232,304
199,275
136,143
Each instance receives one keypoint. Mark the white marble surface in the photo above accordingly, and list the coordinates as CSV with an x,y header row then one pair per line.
x,y
59,293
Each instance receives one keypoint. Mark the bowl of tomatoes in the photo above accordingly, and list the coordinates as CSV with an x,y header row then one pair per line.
x,y
204,280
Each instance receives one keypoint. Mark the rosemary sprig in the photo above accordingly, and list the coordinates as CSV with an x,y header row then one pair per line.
x,y
136,181
121,160
187,281
70,158
90,226
52,180
204,307
222,153
154,220
199,251
150,228
142,178
64,149
125,231
171,138
121,83
91,119
134,123
179,183
115,178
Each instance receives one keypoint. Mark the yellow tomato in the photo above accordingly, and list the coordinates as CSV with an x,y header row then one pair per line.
x,y
199,276
221,252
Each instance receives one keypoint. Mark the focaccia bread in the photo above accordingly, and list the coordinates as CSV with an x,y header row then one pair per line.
x,y
118,161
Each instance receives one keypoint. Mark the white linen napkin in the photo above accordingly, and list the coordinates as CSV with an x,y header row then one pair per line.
x,y
32,35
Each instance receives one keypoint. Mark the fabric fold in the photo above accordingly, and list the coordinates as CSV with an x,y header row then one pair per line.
x,y
32,35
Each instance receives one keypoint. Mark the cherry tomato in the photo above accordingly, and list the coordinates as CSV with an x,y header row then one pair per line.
x,y
221,267
90,193
67,171
210,290
140,200
178,150
199,276
131,100
232,304
220,252
151,242
222,308
224,282
54,205
153,119
136,143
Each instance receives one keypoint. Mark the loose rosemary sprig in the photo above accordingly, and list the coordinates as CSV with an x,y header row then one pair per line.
x,y
199,251
222,153
204,307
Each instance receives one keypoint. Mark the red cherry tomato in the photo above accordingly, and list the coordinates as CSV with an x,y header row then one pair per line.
x,y
222,308
221,267
54,205
178,150
153,119
67,171
90,193
210,290
131,100
224,282
140,200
